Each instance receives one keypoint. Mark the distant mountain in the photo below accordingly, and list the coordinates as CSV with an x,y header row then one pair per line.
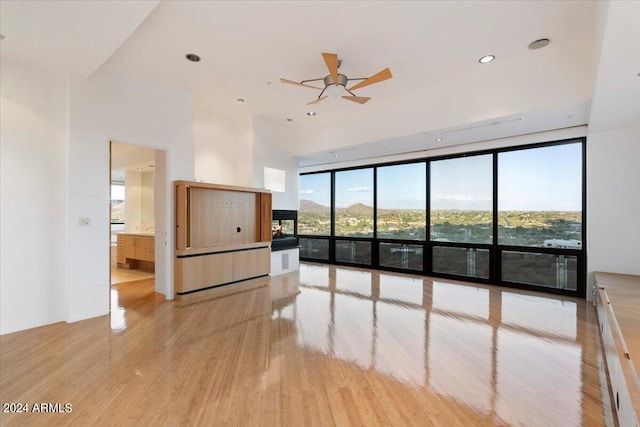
x,y
356,210
311,206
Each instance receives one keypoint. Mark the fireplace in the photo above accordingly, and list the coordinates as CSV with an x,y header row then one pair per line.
x,y
284,230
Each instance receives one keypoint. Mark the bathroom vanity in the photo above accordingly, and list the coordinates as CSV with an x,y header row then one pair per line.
x,y
136,250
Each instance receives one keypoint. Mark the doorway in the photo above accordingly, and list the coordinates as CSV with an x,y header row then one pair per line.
x,y
133,212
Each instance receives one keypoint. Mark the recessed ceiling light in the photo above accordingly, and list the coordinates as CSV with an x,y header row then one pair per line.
x,y
239,100
336,156
438,139
192,57
486,59
539,44
311,113
289,119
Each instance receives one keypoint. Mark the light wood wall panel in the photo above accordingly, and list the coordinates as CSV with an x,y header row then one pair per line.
x,y
220,217
265,218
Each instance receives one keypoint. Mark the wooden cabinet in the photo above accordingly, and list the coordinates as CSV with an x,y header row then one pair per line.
x,y
133,248
145,248
616,301
205,271
223,234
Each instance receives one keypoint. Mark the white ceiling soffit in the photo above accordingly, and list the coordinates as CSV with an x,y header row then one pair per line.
x,y
68,36
432,49
419,145
616,100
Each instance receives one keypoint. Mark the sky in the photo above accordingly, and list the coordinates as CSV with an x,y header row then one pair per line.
x,y
541,179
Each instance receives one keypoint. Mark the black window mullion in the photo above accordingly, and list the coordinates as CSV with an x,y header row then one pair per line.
x,y
332,237
495,255
427,262
375,252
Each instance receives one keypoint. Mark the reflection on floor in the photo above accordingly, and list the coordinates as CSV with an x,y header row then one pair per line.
x,y
325,346
122,275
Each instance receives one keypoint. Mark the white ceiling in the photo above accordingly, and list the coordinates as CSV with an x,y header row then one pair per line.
x,y
431,47
68,36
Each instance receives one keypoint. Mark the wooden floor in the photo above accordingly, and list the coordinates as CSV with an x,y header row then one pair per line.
x,y
122,275
325,346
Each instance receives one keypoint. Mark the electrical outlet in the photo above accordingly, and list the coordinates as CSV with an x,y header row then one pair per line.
x,y
84,221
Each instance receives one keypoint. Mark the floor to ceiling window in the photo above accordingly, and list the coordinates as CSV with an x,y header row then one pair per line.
x,y
540,206
314,215
353,215
509,216
401,215
461,229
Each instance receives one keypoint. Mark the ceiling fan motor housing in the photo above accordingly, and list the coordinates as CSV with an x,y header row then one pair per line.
x,y
342,80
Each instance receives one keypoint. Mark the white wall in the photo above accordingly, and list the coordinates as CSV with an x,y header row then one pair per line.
x,y
55,149
33,135
133,201
113,107
147,218
223,146
273,148
613,201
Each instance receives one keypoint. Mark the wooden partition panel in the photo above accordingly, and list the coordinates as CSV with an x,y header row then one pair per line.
x,y
265,215
222,217
222,234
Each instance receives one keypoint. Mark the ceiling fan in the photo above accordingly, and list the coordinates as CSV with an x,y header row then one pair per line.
x,y
336,83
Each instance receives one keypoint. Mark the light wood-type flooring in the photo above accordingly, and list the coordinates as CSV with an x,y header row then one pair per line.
x,y
325,346
122,275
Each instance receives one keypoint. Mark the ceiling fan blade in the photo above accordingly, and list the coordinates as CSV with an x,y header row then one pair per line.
x,y
291,82
316,101
331,59
358,99
376,78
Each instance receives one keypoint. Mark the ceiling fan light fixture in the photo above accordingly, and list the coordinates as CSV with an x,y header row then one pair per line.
x,y
335,91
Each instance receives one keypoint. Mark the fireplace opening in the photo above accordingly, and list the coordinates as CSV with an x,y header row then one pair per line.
x,y
284,230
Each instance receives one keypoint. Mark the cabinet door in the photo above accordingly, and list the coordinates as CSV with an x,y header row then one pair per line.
x,y
264,261
120,250
130,246
151,249
189,274
145,248
218,269
245,264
